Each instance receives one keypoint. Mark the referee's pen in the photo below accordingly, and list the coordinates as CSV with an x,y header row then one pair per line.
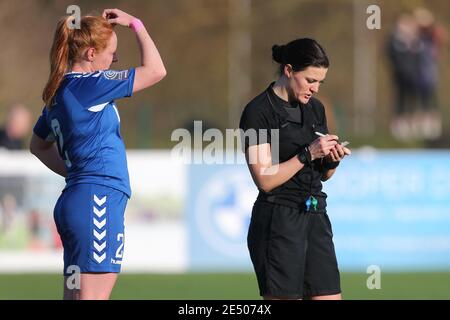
x,y
345,143
320,134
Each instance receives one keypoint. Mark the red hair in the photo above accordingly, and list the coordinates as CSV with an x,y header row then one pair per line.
x,y
69,45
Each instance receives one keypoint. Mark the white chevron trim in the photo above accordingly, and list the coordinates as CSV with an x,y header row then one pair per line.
x,y
90,74
98,201
99,236
99,258
97,74
117,112
100,247
98,224
98,107
99,213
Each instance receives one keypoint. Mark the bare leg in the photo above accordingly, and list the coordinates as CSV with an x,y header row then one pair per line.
x,y
329,297
279,298
97,286
94,286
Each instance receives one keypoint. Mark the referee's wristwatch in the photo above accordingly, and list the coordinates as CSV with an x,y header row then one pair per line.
x,y
304,156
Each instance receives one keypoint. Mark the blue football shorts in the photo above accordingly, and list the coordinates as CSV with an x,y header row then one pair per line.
x,y
90,222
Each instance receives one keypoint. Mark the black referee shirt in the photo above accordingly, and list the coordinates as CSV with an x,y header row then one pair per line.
x,y
296,130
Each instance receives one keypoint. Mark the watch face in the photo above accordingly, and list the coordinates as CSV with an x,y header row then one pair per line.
x,y
302,158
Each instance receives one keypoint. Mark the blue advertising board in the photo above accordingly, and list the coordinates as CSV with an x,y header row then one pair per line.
x,y
390,209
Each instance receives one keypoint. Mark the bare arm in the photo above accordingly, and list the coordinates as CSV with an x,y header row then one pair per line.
x,y
268,176
265,175
47,153
152,68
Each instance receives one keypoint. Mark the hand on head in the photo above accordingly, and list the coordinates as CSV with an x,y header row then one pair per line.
x,y
116,16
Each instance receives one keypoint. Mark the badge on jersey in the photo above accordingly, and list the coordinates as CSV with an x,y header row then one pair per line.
x,y
116,75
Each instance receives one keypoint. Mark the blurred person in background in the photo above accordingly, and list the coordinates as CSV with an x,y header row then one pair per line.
x,y
8,210
35,222
414,48
290,235
432,39
12,191
403,53
16,128
78,137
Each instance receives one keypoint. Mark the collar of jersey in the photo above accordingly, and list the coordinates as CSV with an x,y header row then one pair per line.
x,y
82,74
278,104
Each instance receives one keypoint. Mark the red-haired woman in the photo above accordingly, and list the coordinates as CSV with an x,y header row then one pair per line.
x,y
78,137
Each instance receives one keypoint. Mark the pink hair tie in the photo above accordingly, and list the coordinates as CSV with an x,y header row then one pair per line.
x,y
136,25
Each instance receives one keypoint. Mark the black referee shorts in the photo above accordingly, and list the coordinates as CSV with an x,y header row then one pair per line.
x,y
292,252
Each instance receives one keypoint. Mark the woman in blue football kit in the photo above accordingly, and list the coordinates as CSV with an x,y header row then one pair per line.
x,y
78,137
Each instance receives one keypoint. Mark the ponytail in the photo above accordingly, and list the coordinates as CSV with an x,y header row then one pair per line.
x,y
69,45
301,54
59,60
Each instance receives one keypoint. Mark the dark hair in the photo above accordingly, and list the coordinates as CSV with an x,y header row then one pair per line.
x,y
301,54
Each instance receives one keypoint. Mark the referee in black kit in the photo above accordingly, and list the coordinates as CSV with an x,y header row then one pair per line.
x,y
290,235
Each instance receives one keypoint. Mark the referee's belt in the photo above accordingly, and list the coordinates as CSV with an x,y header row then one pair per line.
x,y
293,204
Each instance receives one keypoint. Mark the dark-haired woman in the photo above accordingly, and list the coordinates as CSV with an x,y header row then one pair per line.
x,y
290,236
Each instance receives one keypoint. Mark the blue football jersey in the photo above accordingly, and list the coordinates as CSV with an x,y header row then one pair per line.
x,y
85,123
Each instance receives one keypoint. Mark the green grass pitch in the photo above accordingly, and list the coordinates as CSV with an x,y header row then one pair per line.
x,y
226,286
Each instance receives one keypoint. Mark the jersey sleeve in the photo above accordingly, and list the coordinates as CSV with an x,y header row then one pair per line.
x,y
41,128
104,87
255,127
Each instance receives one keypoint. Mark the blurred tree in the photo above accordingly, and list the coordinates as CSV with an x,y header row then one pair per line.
x,y
193,37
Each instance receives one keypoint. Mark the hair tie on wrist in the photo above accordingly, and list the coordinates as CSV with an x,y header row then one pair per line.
x,y
136,25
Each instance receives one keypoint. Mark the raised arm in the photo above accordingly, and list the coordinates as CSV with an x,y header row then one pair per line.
x,y
152,68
